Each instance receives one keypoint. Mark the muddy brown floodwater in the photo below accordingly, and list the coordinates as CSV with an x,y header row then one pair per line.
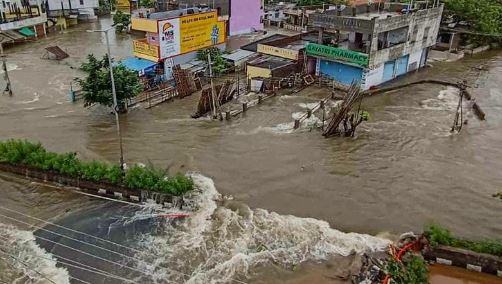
x,y
403,170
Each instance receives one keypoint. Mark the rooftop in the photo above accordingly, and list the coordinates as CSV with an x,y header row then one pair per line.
x,y
254,45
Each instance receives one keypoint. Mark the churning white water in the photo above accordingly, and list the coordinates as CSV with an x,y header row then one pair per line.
x,y
224,240
26,260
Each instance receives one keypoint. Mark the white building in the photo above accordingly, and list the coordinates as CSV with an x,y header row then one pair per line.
x,y
83,9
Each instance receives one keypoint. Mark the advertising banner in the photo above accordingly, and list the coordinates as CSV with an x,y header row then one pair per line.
x,y
329,52
190,33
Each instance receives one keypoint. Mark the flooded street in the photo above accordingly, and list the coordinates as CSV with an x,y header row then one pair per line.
x,y
402,170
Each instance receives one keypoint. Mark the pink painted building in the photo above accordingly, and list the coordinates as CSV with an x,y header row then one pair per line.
x,y
245,16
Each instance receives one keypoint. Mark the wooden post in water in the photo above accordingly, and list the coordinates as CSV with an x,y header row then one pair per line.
x,y
297,124
309,113
244,107
228,115
260,99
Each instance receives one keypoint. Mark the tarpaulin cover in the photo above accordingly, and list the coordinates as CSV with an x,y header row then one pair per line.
x,y
138,64
26,31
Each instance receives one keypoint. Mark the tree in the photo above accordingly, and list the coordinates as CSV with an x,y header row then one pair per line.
x,y
121,21
97,89
147,3
485,16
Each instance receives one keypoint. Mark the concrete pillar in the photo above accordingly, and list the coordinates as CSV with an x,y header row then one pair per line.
x,y
35,30
45,29
321,33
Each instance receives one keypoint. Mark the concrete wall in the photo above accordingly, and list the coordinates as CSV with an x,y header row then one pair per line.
x,y
425,22
245,16
75,4
373,77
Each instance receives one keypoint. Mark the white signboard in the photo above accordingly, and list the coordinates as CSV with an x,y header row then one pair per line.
x,y
169,40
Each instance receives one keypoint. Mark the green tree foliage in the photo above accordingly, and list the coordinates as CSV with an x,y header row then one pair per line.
x,y
411,270
485,16
121,21
218,63
438,235
96,87
22,152
147,3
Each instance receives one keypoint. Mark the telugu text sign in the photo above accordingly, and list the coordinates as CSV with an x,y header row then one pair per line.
x,y
278,51
329,52
143,48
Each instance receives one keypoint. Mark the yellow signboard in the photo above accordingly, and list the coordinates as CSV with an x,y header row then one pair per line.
x,y
190,33
145,50
124,6
201,30
278,51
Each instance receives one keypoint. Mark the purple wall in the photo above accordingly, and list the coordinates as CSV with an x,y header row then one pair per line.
x,y
245,16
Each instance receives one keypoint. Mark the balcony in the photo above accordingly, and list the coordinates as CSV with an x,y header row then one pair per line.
x,y
144,24
24,21
143,49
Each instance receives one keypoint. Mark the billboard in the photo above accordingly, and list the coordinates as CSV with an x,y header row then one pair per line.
x,y
124,6
190,33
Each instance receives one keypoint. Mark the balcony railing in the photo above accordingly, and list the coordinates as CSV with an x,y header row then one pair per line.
x,y
143,49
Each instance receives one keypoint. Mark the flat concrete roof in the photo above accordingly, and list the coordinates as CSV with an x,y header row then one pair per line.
x,y
254,45
272,62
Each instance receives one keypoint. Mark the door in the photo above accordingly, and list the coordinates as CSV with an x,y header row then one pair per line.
x,y
340,72
402,65
388,71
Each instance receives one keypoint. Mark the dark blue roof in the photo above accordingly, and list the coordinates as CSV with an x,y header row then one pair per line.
x,y
138,64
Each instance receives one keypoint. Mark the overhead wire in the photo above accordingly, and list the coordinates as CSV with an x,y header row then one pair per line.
x,y
82,252
71,230
27,266
70,238
84,267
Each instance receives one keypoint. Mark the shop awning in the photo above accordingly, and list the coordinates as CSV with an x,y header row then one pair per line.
x,y
26,31
138,64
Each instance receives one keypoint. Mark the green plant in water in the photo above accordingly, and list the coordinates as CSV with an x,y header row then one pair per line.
x,y
412,270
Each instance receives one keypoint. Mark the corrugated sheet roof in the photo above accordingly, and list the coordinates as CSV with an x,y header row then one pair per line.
x,y
238,55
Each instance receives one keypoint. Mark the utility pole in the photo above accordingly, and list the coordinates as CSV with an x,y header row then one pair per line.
x,y
213,100
114,94
8,88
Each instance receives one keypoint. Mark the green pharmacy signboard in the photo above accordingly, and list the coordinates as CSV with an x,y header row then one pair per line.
x,y
329,52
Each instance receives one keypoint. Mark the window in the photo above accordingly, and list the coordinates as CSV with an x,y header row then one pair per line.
x,y
426,33
81,2
414,35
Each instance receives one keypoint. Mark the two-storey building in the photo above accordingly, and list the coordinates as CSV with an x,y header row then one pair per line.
x,y
375,46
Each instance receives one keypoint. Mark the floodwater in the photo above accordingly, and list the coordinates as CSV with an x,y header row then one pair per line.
x,y
269,199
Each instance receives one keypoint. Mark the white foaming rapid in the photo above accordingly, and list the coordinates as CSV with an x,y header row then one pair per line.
x,y
21,245
446,100
220,243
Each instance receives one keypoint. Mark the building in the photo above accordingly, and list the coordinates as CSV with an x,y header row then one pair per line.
x,y
375,46
242,16
81,9
174,37
20,20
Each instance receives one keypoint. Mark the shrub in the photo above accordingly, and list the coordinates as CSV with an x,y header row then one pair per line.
x,y
412,270
23,152
438,235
